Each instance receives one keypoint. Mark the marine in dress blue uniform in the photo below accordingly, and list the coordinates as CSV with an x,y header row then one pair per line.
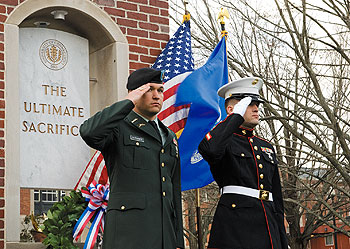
x,y
143,164
250,212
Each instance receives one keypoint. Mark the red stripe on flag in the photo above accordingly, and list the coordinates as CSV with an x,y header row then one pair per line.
x,y
170,110
178,125
87,166
104,176
94,170
171,91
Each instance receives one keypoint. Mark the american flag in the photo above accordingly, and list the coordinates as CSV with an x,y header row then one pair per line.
x,y
177,62
94,170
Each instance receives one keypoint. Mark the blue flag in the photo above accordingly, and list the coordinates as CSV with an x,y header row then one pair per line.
x,y
200,90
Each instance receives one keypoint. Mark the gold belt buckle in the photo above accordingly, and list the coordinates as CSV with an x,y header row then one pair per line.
x,y
264,195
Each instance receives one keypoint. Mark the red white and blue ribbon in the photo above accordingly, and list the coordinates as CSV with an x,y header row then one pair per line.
x,y
97,196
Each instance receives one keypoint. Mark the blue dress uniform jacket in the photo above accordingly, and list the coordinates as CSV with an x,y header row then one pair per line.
x,y
237,157
144,208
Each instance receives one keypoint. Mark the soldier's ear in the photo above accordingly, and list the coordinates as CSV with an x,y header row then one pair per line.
x,y
229,109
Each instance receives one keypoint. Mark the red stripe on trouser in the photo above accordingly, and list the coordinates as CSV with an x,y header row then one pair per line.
x,y
257,174
267,223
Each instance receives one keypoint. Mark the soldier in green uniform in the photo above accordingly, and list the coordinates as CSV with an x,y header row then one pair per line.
x,y
144,208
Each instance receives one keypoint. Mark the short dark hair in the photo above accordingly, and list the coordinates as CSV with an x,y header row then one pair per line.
x,y
228,101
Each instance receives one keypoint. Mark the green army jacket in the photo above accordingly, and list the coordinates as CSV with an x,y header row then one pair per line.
x,y
144,208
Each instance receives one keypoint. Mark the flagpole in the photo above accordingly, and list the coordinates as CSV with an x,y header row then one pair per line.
x,y
199,218
223,13
186,17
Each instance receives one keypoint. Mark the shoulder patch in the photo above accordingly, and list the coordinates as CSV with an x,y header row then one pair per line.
x,y
262,139
208,136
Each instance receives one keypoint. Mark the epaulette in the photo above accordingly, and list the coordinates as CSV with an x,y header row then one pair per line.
x,y
263,140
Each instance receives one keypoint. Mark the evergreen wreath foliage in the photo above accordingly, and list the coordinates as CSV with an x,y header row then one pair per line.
x,y
61,219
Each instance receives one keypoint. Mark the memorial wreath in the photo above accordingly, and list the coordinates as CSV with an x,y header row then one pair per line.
x,y
67,219
61,219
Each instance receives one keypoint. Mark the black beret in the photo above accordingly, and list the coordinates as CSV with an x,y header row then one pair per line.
x,y
143,76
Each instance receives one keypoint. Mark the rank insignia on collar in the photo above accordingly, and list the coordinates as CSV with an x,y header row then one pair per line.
x,y
244,132
140,125
134,120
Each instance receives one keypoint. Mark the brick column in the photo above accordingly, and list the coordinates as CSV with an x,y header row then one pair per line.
x,y
6,6
146,26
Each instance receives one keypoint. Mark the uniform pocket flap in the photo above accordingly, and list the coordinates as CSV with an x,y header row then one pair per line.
x,y
126,200
242,154
235,201
270,156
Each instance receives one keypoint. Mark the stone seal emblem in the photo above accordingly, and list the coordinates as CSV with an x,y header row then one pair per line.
x,y
53,54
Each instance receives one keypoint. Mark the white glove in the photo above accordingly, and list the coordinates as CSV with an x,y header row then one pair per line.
x,y
242,106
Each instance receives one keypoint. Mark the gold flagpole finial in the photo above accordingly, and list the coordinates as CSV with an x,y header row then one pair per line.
x,y
186,16
223,13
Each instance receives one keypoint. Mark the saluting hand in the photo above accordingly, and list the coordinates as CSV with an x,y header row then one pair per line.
x,y
242,106
135,95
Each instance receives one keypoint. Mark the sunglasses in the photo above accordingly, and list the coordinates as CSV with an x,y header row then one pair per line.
x,y
257,103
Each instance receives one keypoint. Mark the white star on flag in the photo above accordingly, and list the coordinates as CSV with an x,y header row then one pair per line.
x,y
178,65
